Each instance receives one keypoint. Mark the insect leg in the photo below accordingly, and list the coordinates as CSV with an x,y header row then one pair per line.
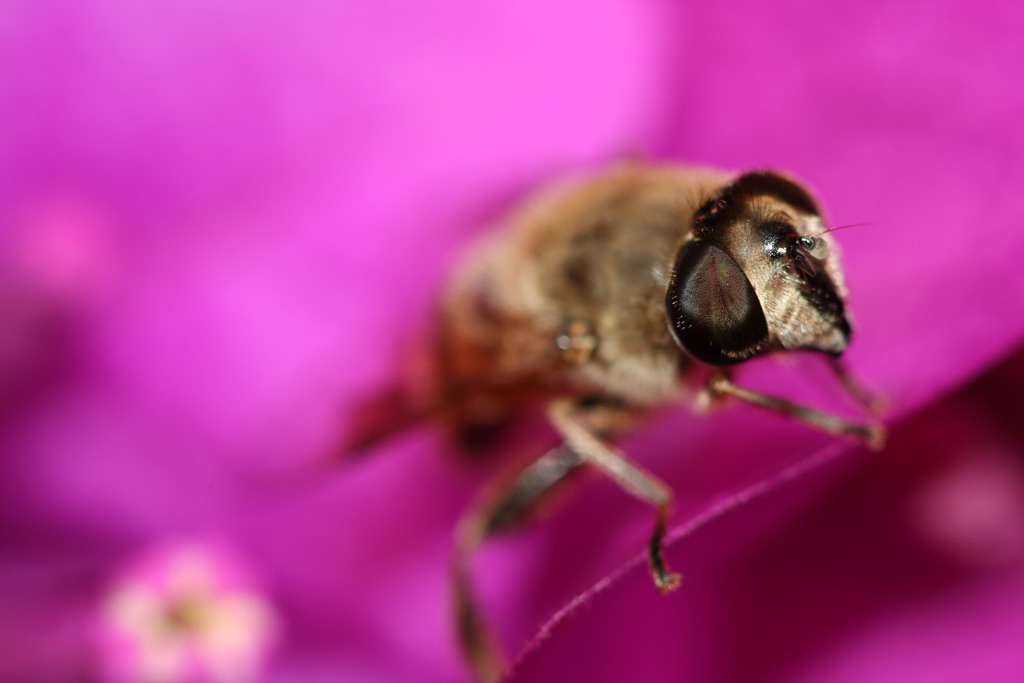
x,y
872,435
569,418
874,403
501,509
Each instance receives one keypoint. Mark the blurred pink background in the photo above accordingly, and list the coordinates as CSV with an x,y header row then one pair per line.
x,y
221,223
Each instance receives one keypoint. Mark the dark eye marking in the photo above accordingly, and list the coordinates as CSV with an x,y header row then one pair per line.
x,y
715,213
728,205
778,237
775,185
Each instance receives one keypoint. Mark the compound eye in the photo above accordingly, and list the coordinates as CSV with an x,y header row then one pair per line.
x,y
713,309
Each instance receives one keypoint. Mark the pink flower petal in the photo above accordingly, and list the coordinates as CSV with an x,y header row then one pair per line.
x,y
858,586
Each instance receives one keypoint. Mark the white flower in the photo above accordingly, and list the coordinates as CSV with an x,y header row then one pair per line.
x,y
185,613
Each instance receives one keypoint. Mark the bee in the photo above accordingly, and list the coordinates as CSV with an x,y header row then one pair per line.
x,y
604,298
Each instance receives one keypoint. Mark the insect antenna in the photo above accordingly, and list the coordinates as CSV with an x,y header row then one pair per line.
x,y
841,227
